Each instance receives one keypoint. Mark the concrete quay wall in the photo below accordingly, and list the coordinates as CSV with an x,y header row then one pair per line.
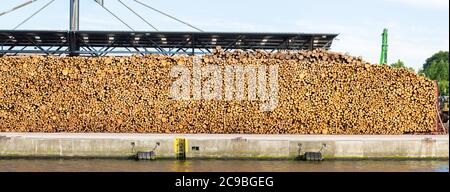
x,y
240,146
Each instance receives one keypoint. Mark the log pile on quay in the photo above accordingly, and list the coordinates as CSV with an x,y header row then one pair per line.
x,y
319,92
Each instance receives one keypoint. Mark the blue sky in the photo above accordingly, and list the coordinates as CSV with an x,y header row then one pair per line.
x,y
417,28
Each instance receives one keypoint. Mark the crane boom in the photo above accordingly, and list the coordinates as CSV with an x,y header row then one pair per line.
x,y
384,47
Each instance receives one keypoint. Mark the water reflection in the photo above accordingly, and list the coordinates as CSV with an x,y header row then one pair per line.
x,y
181,166
73,165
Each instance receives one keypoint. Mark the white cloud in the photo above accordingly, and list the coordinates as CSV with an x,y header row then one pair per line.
x,y
440,4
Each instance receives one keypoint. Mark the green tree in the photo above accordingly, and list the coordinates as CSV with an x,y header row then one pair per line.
x,y
401,64
439,56
436,68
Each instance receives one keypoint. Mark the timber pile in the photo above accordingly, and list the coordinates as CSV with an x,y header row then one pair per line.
x,y
320,92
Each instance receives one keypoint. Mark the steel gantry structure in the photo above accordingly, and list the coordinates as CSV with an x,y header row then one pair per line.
x,y
75,42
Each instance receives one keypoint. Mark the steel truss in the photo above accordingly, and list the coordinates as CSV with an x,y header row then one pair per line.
x,y
101,43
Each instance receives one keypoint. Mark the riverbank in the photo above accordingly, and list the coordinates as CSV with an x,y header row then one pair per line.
x,y
230,146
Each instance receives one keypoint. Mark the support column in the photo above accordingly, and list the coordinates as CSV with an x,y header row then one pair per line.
x,y
74,25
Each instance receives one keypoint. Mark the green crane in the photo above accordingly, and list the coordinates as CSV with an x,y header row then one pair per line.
x,y
384,47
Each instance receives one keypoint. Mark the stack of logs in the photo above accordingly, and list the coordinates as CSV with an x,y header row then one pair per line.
x,y
320,92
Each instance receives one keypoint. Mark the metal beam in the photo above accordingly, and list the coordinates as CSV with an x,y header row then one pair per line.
x,y
31,16
74,26
74,45
74,15
18,7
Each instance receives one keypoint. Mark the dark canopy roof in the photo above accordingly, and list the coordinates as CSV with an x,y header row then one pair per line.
x,y
84,42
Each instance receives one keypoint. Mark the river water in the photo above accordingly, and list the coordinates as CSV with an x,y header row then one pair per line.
x,y
100,165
